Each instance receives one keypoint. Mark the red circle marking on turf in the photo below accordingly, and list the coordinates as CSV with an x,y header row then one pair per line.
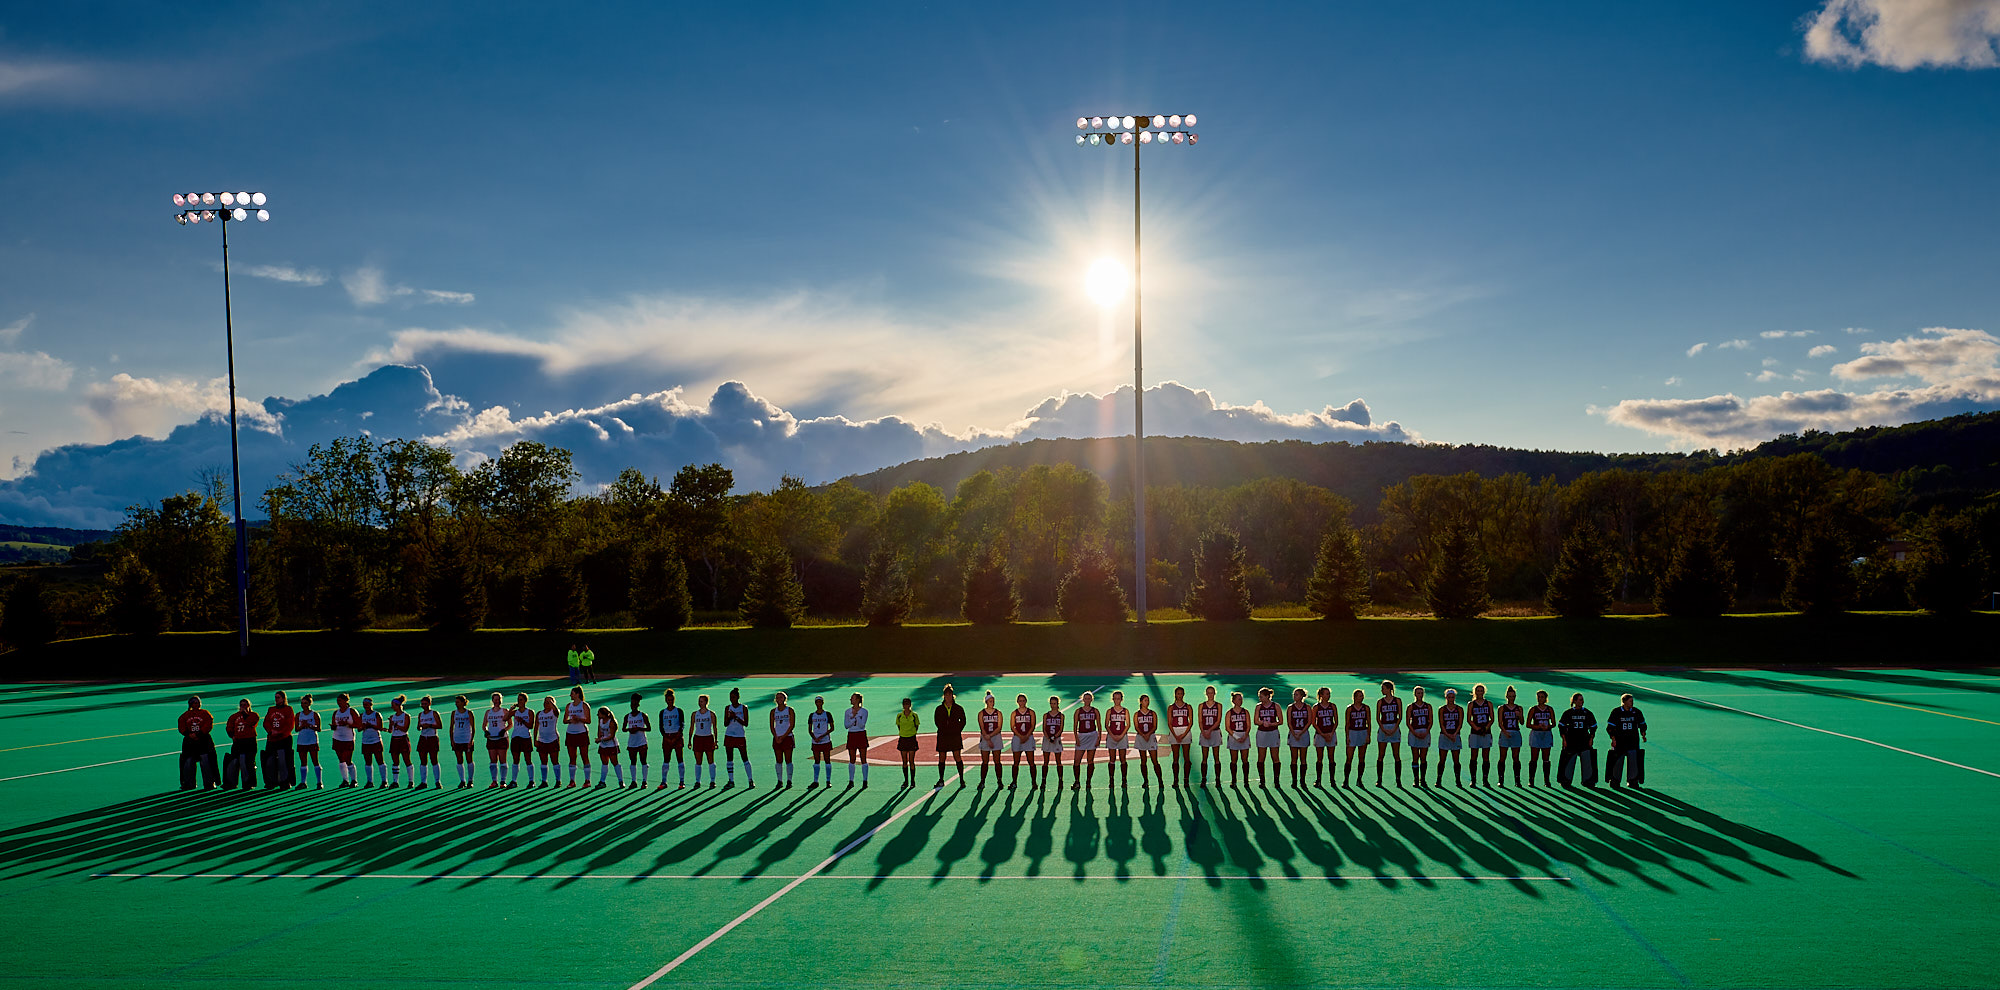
x,y
882,750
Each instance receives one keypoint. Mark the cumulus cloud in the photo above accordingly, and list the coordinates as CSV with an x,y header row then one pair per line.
x,y
127,406
1905,34
1734,345
1698,348
1822,350
1960,370
30,369
286,273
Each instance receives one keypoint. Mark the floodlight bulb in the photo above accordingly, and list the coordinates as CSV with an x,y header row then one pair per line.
x,y
1174,120
1192,138
263,215
243,199
181,218
1189,119
1180,138
1128,123
1082,122
1145,137
1097,121
228,199
1125,138
257,199
208,199
239,214
180,200
1093,139
208,216
1079,139
1159,122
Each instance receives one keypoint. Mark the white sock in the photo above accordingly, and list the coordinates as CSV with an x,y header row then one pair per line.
x,y
747,777
620,770
864,773
850,772
514,774
732,771
681,765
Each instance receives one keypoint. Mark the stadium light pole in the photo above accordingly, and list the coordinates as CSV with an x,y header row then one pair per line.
x,y
199,208
1110,132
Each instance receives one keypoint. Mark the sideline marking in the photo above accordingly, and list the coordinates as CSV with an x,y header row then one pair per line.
x,y
1913,708
778,876
87,766
1814,728
121,735
809,874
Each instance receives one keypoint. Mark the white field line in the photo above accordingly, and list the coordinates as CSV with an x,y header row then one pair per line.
x,y
1813,728
790,876
88,766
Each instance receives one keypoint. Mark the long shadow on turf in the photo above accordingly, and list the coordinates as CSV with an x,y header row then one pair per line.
x,y
1782,687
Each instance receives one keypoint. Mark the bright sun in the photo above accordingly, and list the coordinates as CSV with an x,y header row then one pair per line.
x,y
1106,281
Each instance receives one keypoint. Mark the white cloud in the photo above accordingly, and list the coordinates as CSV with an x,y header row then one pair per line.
x,y
21,78
1734,345
1857,330
125,406
1782,334
286,273
445,296
1822,350
1767,375
1697,349
37,370
1675,380
370,286
1960,368
12,331
1905,34
1770,362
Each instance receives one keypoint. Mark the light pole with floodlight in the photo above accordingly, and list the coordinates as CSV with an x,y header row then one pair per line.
x,y
201,208
1109,132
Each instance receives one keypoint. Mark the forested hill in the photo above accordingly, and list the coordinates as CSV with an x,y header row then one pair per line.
x,y
1957,453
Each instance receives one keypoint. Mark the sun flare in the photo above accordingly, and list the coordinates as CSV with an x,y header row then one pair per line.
x,y
1106,281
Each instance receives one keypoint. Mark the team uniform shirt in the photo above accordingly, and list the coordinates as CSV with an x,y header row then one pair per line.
x,y
1510,726
371,728
548,727
1389,715
307,724
1326,717
735,719
576,722
1239,724
1210,713
1145,722
1268,718
607,733
670,726
1357,725
399,725
524,722
781,727
1299,718
429,723
1542,718
989,730
278,722
1420,720
1024,729
1117,721
636,727
1052,730
242,725
1086,724
704,724
819,725
1180,720
906,725
1579,728
855,721
195,722
1623,725
1449,719
1479,716
345,721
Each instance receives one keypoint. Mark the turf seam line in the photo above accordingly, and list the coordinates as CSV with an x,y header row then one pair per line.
x,y
88,766
788,888
1813,728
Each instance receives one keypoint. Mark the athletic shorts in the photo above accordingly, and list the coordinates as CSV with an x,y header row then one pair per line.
x,y
521,744
1299,739
550,750
1541,738
991,745
1146,744
950,744
782,744
343,751
1239,744
1052,745
576,740
399,745
371,749
496,745
704,744
1420,740
1022,744
636,752
1118,742
1393,734
1480,740
427,744
670,740
1447,744
311,749
1086,741
1510,739
463,749
1357,738
1323,741
822,749
736,742
607,754
906,744
1212,738
1267,739
857,742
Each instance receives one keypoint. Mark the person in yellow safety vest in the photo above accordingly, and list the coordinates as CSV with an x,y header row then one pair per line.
x,y
588,659
575,666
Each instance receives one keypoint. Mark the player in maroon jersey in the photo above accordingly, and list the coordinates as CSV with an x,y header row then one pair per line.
x,y
1023,743
1052,740
1118,741
1419,717
1389,731
1268,717
1237,722
1326,721
1451,720
1541,736
1479,734
1358,717
1298,735
1180,739
1087,732
1146,739
1208,716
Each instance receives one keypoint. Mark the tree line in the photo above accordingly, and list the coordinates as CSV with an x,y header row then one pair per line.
x,y
368,532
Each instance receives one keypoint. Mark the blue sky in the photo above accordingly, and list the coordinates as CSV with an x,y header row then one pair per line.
x,y
1503,224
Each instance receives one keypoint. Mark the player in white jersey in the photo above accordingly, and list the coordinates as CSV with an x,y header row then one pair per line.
x,y
672,725
735,738
399,741
701,739
819,728
345,721
370,733
636,727
576,734
548,740
521,741
855,720
607,748
306,738
782,742
496,723
430,722
462,727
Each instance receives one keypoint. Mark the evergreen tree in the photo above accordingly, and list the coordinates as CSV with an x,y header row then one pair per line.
x,y
1339,585
1457,585
1221,590
1580,586
659,597
136,605
1090,591
885,588
989,592
557,599
28,619
1820,579
454,591
774,598
1697,582
345,597
1948,569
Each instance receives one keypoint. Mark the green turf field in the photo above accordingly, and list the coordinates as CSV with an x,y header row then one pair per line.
x,y
1763,853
